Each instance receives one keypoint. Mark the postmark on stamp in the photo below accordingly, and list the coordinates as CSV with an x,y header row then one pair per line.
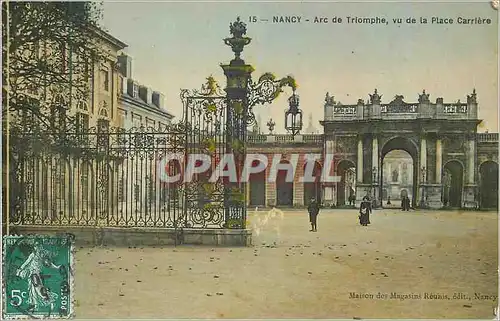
x,y
37,277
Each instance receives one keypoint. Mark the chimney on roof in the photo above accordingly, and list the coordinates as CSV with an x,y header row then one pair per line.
x,y
125,65
145,94
158,99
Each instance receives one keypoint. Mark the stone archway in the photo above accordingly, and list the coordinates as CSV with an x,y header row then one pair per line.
x,y
488,192
284,188
346,170
453,184
313,189
409,148
257,184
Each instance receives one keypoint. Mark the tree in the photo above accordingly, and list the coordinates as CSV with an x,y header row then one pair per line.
x,y
49,49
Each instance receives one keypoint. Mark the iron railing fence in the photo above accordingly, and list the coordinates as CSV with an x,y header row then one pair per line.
x,y
113,177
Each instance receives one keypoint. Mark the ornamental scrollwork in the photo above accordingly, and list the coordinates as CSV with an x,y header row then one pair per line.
x,y
266,90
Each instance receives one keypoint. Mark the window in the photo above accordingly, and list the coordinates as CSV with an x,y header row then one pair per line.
x,y
135,91
83,106
82,123
87,68
103,112
105,80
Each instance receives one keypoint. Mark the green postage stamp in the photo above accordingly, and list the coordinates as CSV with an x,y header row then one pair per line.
x,y
37,277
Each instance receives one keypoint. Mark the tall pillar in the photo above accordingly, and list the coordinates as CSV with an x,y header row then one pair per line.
x,y
359,169
439,161
375,157
375,167
423,158
238,76
470,189
471,161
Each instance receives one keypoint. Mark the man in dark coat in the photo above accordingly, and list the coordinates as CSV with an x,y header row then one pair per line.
x,y
405,203
313,210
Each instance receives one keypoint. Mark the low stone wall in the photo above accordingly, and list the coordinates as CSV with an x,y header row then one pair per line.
x,y
121,236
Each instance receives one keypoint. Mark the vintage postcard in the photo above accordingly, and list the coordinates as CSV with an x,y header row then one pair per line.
x,y
250,159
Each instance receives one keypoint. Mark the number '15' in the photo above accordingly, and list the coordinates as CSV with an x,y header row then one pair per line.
x,y
252,19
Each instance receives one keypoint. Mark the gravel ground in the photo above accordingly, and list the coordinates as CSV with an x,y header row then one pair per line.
x,y
441,261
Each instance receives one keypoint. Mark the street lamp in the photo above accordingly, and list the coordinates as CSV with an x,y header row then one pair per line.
x,y
293,116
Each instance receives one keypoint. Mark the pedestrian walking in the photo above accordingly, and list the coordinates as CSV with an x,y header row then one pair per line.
x,y
405,203
364,211
313,210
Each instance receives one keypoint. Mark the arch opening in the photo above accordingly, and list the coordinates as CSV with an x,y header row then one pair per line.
x,y
398,172
397,177
313,189
346,190
284,189
452,184
257,186
488,185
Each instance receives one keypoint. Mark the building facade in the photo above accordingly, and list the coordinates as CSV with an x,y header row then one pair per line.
x,y
430,152
271,188
446,150
141,112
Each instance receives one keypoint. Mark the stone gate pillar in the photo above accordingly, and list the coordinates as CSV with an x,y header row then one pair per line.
x,y
359,167
375,171
434,190
362,188
439,160
422,172
470,187
238,75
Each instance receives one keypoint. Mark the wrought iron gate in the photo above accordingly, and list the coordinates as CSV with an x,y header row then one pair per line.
x,y
205,119
101,176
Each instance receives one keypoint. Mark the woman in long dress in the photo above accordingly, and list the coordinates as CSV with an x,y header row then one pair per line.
x,y
364,213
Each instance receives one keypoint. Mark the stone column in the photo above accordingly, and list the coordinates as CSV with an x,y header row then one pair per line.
x,y
376,192
471,161
359,169
439,161
423,158
423,165
470,197
375,157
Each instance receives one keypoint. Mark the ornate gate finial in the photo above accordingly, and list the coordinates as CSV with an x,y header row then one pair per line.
x,y
237,42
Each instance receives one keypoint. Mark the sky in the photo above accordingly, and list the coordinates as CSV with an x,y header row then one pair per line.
x,y
178,45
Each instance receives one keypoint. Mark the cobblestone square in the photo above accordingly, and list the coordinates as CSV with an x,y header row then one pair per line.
x,y
436,264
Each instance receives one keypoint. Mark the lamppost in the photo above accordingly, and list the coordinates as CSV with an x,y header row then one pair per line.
x,y
293,116
422,180
242,94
